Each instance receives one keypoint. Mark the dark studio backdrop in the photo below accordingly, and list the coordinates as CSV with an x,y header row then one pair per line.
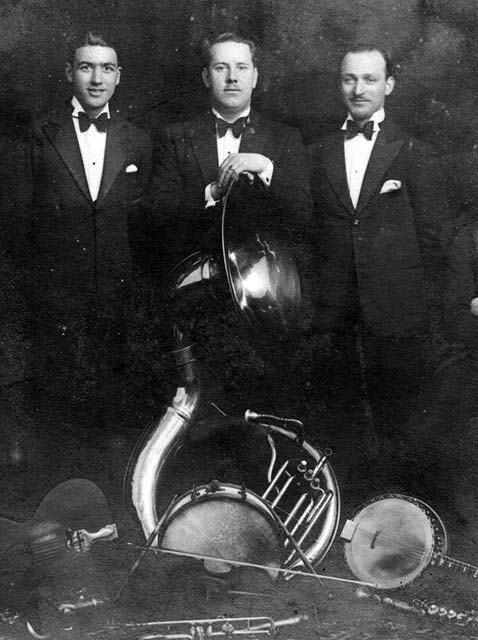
x,y
434,43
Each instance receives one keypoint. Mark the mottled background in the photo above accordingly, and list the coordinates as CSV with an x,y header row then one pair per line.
x,y
433,42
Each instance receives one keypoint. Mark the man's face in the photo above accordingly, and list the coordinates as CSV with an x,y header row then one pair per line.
x,y
95,75
364,84
231,77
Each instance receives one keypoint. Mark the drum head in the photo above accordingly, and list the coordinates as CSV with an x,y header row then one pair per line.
x,y
223,525
392,543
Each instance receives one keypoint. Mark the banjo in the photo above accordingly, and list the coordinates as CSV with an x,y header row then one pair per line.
x,y
391,540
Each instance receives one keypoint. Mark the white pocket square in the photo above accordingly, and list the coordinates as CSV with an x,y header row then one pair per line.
x,y
131,168
390,185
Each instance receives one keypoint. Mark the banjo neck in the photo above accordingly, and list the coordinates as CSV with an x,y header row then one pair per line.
x,y
441,560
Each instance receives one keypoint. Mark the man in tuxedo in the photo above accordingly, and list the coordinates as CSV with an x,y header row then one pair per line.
x,y
381,223
90,168
198,159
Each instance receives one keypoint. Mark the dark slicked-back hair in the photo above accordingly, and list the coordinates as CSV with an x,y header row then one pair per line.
x,y
91,39
230,36
362,47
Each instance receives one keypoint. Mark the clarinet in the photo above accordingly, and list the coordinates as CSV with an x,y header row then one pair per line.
x,y
422,607
444,614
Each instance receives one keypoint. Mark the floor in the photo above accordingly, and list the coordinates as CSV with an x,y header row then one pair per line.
x,y
117,590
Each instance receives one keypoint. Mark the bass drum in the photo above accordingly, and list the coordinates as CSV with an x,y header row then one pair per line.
x,y
223,521
392,540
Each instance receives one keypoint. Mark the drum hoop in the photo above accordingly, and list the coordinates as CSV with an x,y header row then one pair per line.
x,y
395,582
440,535
204,493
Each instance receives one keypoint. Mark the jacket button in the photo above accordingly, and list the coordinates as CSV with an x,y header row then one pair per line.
x,y
356,221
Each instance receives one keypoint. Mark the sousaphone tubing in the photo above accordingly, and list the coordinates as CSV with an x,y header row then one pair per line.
x,y
254,267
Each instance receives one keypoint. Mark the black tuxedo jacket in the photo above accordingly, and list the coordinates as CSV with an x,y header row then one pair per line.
x,y
461,287
186,162
396,236
82,252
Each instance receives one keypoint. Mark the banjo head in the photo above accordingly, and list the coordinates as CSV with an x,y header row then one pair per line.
x,y
391,541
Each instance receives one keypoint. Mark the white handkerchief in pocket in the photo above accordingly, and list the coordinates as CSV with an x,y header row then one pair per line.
x,y
131,168
390,185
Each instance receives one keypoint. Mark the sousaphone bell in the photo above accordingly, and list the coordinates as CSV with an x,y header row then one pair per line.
x,y
294,521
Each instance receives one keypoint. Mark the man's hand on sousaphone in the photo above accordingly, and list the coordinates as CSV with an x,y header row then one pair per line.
x,y
235,165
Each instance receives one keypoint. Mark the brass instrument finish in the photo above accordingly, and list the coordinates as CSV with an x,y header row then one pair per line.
x,y
262,279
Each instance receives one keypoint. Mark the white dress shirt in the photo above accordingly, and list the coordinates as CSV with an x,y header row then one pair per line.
x,y
357,155
92,148
228,144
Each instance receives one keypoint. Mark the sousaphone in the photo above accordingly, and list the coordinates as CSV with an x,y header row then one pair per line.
x,y
294,521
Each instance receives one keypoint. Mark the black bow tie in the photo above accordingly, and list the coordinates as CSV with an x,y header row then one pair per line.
x,y
353,128
85,121
236,127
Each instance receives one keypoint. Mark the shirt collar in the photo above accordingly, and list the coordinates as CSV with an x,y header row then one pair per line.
x,y
377,118
244,114
77,108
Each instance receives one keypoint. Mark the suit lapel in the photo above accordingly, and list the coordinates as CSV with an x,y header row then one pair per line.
x,y
60,131
114,156
203,142
334,164
385,150
255,135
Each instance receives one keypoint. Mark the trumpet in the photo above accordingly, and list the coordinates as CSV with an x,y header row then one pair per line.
x,y
251,628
